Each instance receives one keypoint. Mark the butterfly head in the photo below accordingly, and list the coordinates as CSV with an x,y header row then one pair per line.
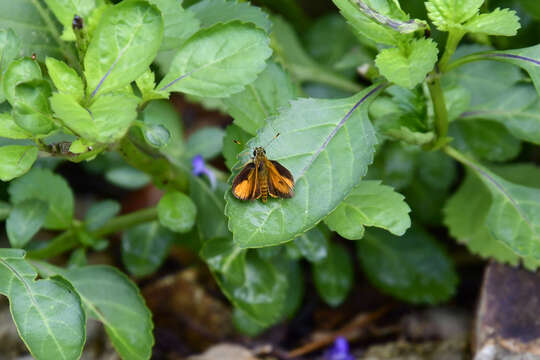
x,y
259,153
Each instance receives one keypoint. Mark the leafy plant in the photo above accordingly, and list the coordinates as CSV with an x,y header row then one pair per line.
x,y
371,126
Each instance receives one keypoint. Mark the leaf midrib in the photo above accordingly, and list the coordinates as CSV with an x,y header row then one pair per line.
x,y
34,302
121,53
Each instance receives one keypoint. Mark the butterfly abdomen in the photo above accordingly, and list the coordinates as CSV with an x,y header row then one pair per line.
x,y
264,188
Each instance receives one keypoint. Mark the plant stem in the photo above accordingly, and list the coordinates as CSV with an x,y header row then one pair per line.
x,y
454,37
126,221
467,59
459,157
439,105
62,243
68,239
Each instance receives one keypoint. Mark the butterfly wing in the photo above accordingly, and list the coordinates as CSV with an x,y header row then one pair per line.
x,y
281,182
246,185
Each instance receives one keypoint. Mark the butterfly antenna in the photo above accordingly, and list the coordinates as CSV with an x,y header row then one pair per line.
x,y
245,151
271,141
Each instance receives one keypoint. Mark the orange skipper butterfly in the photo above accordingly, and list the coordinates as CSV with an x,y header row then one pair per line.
x,y
261,177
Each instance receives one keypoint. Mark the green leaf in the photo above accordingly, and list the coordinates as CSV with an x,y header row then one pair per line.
x,y
105,121
222,255
408,67
156,135
146,84
405,117
484,80
179,24
333,275
532,7
316,146
161,112
503,22
514,214
19,71
47,312
290,53
447,14
25,220
210,104
517,110
245,324
124,44
426,202
412,267
218,61
16,160
177,212
44,185
9,129
230,148
465,216
435,170
207,142
458,100
395,165
112,299
100,213
211,223
5,209
32,21
145,247
367,27
332,51
313,245
9,50
65,10
486,140
295,287
31,110
527,58
212,12
370,204
127,177
66,79
262,293
77,258
261,99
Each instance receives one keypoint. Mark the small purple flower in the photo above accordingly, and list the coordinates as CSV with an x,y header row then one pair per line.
x,y
340,350
199,168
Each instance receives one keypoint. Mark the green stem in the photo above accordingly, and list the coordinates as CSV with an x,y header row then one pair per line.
x,y
120,223
68,239
60,244
454,37
460,157
439,105
466,59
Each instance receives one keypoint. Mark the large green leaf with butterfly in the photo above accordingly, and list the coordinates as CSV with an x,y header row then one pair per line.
x,y
270,147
